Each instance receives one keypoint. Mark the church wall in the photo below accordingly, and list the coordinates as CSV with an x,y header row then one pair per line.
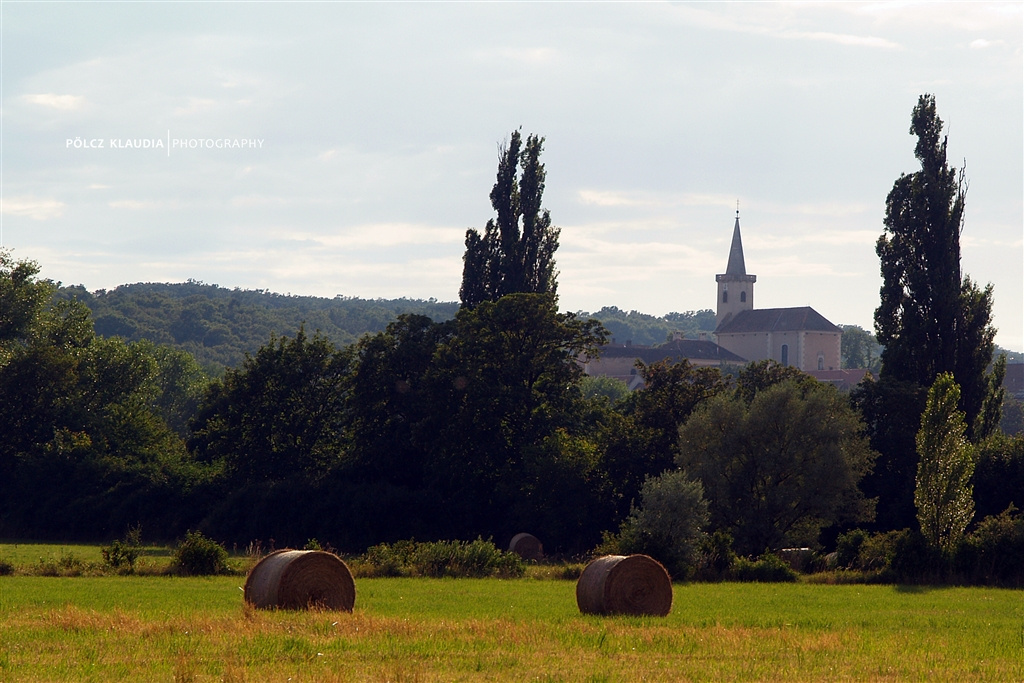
x,y
827,345
751,345
791,340
803,348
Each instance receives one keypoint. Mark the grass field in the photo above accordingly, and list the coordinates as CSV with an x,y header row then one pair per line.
x,y
160,628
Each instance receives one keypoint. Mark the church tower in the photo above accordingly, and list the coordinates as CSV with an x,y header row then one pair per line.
x,y
735,287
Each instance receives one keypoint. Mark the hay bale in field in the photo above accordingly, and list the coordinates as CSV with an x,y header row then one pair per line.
x,y
624,584
301,579
527,547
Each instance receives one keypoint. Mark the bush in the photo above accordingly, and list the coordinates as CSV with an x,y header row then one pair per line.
x,y
878,550
68,564
993,554
666,526
387,559
6,568
848,548
477,558
716,556
198,555
121,555
769,568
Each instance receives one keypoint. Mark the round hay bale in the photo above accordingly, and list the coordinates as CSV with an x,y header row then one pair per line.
x,y
301,579
527,547
624,584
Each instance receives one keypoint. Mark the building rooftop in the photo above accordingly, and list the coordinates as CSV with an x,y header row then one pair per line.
x,y
777,320
696,349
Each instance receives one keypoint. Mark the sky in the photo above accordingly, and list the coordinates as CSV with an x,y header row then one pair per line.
x,y
335,148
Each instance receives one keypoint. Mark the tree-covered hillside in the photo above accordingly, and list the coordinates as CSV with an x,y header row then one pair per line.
x,y
649,330
218,326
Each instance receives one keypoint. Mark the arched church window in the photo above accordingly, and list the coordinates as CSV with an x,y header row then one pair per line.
x,y
821,362
725,297
743,297
785,354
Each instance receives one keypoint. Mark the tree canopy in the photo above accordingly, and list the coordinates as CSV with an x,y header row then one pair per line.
x,y
779,468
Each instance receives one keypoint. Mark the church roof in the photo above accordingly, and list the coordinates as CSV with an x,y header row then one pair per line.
x,y
803,318
696,349
736,266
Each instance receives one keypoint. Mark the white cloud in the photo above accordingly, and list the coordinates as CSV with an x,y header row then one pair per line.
x,y
840,38
375,235
640,199
535,56
62,102
768,20
32,207
982,44
140,205
196,105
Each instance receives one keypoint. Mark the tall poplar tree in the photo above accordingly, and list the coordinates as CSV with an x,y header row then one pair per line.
x,y
515,253
931,318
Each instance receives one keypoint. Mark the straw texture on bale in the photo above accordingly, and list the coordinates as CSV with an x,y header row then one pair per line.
x,y
301,579
624,584
527,547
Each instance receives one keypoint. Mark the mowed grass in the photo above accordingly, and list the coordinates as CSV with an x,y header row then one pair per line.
x,y
158,628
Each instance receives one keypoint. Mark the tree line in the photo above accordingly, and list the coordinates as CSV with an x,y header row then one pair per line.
x,y
483,424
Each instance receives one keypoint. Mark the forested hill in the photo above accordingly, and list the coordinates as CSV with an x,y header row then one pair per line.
x,y
218,325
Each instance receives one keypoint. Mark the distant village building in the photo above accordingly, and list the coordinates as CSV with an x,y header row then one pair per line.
x,y
800,337
619,360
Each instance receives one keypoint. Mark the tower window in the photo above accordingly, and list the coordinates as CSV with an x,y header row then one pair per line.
x,y
785,354
821,362
725,297
743,297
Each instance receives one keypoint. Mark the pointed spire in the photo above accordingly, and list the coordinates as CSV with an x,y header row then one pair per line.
x,y
736,265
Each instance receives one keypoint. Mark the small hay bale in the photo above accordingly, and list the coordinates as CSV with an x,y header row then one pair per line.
x,y
301,579
527,547
621,584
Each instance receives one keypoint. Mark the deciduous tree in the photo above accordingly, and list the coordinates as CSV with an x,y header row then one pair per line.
x,y
944,494
779,469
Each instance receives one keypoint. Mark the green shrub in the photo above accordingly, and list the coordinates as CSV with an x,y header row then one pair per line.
x,y
769,568
6,568
121,555
716,556
68,564
477,558
386,559
993,554
848,548
666,526
878,550
198,555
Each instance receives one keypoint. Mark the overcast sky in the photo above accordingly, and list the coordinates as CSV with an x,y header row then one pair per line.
x,y
371,135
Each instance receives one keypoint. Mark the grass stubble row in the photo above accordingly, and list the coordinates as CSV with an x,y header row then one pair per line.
x,y
161,629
